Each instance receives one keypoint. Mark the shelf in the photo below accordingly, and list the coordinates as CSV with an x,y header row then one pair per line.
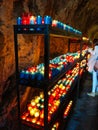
x,y
46,84
60,109
40,84
63,100
32,125
41,30
54,116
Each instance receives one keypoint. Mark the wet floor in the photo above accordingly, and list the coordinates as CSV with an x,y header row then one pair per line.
x,y
85,114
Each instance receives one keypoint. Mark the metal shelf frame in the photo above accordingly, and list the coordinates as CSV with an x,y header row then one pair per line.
x,y
47,31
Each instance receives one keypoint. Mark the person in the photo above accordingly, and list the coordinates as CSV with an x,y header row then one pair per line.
x,y
93,68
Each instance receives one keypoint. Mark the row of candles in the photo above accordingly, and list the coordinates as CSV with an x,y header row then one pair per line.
x,y
66,111
35,109
55,126
55,67
28,19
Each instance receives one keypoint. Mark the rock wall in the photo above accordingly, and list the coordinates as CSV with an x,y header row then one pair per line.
x,y
81,14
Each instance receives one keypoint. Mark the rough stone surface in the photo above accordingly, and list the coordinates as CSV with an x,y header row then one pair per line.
x,y
80,14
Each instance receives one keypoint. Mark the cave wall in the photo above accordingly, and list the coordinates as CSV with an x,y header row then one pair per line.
x,y
80,14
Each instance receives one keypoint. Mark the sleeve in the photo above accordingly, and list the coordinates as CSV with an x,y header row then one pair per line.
x,y
91,51
91,63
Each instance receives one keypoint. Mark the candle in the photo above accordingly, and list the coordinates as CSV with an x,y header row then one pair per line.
x,y
47,20
70,29
54,23
60,25
23,117
34,120
66,27
37,113
32,112
26,75
32,20
26,19
19,20
39,19
22,74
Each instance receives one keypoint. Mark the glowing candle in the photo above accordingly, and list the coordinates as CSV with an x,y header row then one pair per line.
x,y
54,23
39,19
33,102
37,100
19,20
32,111
60,25
23,117
34,120
37,113
25,19
42,115
47,20
27,119
38,122
22,74
32,20
29,107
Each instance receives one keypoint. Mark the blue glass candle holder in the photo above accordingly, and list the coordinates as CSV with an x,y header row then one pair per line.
x,y
47,20
39,19
60,25
67,28
31,21
71,29
19,19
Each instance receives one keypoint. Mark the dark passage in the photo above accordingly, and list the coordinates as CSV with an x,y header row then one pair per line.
x,y
85,114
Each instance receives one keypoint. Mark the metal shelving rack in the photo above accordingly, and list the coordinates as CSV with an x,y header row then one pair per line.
x,y
47,31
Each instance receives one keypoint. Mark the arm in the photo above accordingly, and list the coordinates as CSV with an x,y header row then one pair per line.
x,y
96,65
92,52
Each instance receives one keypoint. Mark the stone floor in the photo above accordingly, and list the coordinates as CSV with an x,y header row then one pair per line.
x,y
85,115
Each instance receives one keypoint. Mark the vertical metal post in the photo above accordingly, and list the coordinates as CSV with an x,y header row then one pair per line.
x,y
17,73
46,75
68,45
78,85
